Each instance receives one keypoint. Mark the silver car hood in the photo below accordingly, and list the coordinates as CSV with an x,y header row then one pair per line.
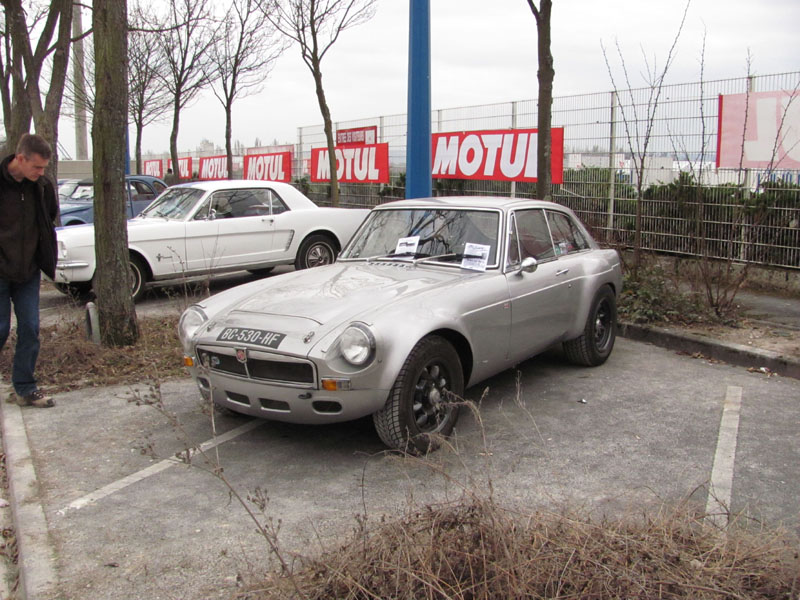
x,y
316,301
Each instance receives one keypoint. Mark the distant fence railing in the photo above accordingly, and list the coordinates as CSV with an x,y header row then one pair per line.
x,y
688,206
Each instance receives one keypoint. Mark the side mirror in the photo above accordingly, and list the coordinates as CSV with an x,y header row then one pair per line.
x,y
528,265
212,214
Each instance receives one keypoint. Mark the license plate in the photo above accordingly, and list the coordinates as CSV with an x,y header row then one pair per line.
x,y
258,337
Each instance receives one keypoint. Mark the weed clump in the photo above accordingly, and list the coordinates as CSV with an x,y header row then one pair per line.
x,y
68,360
477,549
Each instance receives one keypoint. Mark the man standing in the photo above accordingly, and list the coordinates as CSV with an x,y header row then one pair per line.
x,y
28,210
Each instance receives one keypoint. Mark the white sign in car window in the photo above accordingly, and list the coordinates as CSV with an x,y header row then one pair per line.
x,y
476,256
407,245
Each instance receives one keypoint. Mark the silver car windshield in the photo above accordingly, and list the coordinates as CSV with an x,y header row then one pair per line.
x,y
174,203
416,233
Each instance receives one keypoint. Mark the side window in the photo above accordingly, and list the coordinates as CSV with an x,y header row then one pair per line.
x,y
278,205
159,187
566,235
233,204
513,242
534,235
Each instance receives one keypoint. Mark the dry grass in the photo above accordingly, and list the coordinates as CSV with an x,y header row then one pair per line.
x,y
478,550
68,360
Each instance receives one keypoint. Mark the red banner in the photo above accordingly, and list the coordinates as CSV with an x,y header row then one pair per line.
x,y
357,136
269,167
501,155
154,168
184,166
759,130
354,164
213,167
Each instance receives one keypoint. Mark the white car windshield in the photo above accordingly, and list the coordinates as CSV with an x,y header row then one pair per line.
x,y
174,203
421,233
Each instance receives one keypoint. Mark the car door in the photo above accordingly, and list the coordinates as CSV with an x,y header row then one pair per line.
x,y
541,300
236,232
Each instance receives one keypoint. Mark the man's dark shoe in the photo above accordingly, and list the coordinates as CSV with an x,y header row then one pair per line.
x,y
36,399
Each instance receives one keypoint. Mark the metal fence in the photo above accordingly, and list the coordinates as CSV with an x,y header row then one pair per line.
x,y
688,206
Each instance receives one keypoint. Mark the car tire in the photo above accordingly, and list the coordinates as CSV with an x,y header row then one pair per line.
x,y
594,345
76,291
316,250
422,405
138,277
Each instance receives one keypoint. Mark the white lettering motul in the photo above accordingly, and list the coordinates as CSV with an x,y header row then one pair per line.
x,y
486,155
152,168
215,167
266,167
354,164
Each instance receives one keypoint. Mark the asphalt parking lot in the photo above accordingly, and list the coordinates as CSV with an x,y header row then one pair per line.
x,y
124,519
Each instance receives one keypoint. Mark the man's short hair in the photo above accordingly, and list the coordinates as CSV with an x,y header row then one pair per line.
x,y
31,143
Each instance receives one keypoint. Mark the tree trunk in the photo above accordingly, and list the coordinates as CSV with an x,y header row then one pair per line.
x,y
326,119
228,134
173,141
116,312
545,74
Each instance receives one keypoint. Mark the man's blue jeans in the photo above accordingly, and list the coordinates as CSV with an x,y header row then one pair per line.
x,y
25,296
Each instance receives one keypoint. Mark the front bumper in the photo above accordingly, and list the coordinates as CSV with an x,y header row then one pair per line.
x,y
258,390
68,271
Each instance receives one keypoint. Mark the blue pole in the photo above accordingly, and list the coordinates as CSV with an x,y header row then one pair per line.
x,y
418,136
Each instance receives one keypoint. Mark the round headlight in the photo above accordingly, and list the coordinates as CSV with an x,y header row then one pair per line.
x,y
357,345
191,320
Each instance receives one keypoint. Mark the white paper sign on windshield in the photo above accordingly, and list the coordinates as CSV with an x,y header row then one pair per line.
x,y
476,256
407,245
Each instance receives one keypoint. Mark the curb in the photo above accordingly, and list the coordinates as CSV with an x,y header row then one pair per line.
x,y
735,354
36,558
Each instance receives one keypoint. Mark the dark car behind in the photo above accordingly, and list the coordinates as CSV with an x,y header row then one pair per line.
x,y
78,208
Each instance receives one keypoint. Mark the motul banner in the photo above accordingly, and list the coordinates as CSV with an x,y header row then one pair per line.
x,y
184,167
154,168
269,167
213,167
354,164
759,130
498,155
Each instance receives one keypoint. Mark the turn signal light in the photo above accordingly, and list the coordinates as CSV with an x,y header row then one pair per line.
x,y
335,385
188,361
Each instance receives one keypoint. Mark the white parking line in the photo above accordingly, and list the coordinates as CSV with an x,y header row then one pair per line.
x,y
111,488
721,485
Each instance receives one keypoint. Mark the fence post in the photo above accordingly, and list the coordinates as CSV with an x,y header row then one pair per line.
x,y
611,168
513,126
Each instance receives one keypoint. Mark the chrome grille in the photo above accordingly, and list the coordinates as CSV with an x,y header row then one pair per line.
x,y
259,365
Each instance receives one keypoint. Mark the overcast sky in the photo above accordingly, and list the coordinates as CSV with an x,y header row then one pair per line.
x,y
484,55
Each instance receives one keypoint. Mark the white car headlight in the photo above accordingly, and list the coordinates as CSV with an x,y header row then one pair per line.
x,y
357,344
191,320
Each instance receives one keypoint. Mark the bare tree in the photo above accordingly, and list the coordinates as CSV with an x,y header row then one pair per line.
x,y
545,75
315,25
116,312
148,99
638,127
243,57
189,63
22,66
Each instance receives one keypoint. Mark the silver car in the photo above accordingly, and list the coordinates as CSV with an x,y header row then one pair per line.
x,y
428,298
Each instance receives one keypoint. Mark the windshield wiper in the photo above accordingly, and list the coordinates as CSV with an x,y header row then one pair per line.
x,y
394,255
451,256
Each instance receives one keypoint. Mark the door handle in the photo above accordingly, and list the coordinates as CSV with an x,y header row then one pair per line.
x,y
562,272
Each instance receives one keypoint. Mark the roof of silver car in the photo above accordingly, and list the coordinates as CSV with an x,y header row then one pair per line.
x,y
472,202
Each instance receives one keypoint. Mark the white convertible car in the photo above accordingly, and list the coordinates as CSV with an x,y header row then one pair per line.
x,y
213,227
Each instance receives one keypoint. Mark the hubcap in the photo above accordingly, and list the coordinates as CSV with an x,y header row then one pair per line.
x,y
430,410
602,325
319,254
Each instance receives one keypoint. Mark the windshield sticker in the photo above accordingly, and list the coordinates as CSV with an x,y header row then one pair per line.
x,y
476,256
407,246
